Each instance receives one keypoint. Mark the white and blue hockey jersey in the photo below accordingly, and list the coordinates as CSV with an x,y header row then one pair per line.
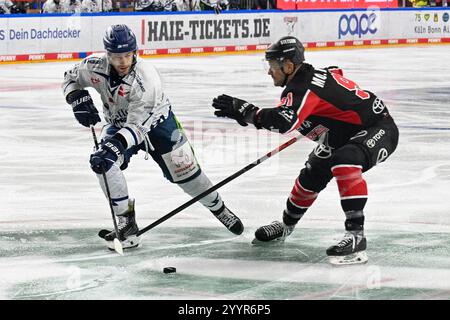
x,y
135,103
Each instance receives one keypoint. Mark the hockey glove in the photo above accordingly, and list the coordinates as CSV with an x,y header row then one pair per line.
x,y
83,107
234,108
103,159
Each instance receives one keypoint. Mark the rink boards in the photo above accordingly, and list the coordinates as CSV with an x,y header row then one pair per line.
x,y
49,37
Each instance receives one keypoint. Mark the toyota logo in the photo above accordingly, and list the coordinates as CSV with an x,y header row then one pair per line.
x,y
371,143
378,106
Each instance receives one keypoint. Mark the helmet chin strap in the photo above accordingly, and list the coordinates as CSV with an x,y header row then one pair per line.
x,y
286,76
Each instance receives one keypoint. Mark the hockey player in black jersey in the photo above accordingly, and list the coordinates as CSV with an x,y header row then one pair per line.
x,y
353,130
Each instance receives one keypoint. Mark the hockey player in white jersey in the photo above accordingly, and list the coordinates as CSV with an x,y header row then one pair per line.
x,y
96,5
139,117
72,6
62,6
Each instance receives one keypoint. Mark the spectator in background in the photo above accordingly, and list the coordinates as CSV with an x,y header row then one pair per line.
x,y
96,6
7,7
169,5
148,5
235,5
264,4
72,6
419,3
156,5
216,5
52,6
188,5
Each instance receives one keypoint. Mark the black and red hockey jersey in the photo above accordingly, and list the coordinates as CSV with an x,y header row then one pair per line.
x,y
324,106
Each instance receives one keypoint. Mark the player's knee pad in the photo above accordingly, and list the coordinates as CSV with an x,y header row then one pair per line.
x,y
180,164
315,178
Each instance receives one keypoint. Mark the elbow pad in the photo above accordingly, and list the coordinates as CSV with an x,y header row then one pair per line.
x,y
283,119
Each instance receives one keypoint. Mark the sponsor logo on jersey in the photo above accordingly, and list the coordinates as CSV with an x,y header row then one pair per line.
x,y
322,151
378,106
382,155
318,131
373,141
181,158
359,134
357,24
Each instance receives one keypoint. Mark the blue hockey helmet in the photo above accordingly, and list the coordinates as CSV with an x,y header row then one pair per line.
x,y
119,39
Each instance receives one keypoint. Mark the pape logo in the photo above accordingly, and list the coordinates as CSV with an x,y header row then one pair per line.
x,y
354,25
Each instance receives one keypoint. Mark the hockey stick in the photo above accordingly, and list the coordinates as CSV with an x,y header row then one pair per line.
x,y
117,244
220,184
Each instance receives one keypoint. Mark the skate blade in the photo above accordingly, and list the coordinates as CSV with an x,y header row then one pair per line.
x,y
259,243
355,258
129,243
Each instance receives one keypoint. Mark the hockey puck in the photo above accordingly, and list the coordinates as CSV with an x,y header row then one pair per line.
x,y
102,233
170,270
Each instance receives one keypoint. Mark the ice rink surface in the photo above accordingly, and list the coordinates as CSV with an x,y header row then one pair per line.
x,y
52,206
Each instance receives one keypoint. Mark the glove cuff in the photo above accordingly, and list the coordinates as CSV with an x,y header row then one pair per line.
x,y
114,146
75,95
250,113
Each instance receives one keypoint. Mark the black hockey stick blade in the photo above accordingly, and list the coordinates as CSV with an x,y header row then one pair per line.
x,y
220,184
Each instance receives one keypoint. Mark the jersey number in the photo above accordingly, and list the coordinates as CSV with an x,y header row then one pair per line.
x,y
350,85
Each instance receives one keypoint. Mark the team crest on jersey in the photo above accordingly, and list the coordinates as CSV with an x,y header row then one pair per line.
x,y
122,91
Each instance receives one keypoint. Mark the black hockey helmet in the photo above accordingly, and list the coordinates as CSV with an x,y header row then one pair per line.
x,y
286,48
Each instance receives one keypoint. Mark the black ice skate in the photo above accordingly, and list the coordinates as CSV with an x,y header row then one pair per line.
x,y
229,220
275,232
350,250
127,228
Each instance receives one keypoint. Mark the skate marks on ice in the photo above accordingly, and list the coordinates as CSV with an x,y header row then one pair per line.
x,y
75,264
60,264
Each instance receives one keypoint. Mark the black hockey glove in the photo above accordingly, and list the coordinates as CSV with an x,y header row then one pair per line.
x,y
83,107
234,108
103,159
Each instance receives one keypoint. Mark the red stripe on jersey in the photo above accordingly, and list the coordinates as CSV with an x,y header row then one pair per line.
x,y
314,105
350,181
302,197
